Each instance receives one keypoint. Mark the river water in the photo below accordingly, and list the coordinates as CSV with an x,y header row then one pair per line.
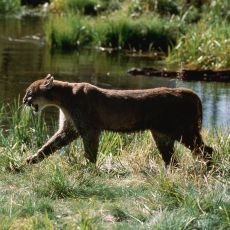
x,y
25,57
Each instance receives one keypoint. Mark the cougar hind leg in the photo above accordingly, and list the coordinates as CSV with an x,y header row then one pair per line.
x,y
195,143
165,145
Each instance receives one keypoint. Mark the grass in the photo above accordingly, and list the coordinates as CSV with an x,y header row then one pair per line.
x,y
70,33
194,35
146,34
129,187
203,47
75,32
117,26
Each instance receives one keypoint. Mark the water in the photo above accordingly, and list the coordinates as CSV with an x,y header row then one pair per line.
x,y
25,57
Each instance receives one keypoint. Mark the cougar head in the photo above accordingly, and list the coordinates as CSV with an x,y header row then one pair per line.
x,y
37,94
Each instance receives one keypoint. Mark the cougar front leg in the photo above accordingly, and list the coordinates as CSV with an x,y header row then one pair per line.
x,y
91,143
57,141
65,134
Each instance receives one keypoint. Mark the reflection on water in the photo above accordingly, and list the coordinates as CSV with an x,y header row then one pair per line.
x,y
25,57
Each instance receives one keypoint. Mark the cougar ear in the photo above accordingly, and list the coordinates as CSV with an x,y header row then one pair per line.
x,y
48,83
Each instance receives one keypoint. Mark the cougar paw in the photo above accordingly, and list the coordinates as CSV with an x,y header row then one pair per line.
x,y
34,159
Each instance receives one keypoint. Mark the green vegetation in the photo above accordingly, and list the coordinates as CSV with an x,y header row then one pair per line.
x,y
116,25
143,34
70,37
207,43
64,192
204,47
9,6
192,35
189,34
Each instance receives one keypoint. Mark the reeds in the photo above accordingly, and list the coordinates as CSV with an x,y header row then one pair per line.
x,y
144,34
70,33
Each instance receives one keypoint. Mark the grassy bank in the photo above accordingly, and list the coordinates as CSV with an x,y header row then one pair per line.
x,y
206,44
144,34
128,189
117,24
193,35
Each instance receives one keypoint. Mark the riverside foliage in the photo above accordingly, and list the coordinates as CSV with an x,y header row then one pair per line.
x,y
195,34
64,191
192,34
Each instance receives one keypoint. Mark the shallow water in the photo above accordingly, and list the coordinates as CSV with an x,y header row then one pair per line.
x,y
25,57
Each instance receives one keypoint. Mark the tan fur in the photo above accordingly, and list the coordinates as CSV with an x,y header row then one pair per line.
x,y
86,110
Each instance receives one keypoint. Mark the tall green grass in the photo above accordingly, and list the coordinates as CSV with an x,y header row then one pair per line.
x,y
69,33
195,33
147,34
65,192
20,131
204,46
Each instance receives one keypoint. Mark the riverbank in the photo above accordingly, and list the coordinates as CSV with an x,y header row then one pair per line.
x,y
184,74
65,192
193,36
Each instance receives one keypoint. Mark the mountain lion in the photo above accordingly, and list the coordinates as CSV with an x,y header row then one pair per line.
x,y
86,110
